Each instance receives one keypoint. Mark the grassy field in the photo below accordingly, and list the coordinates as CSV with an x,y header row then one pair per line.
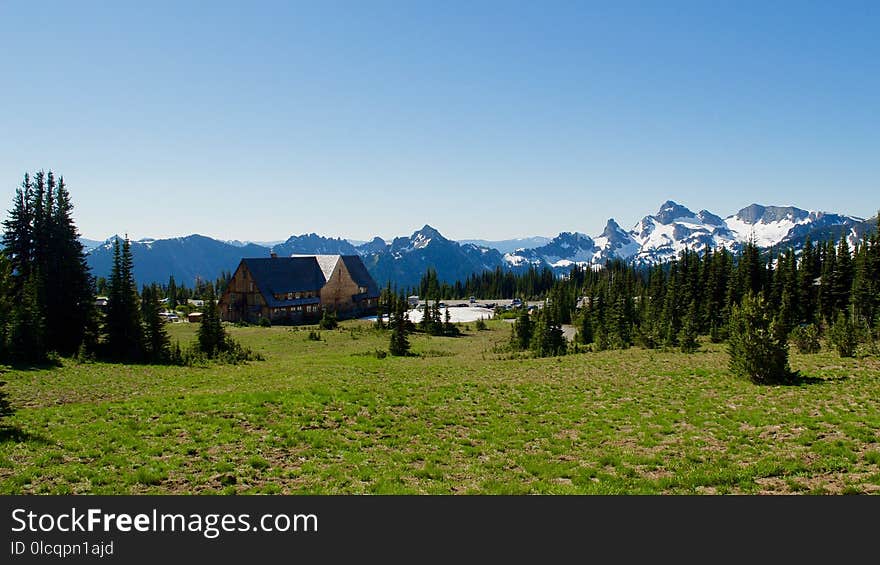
x,y
330,417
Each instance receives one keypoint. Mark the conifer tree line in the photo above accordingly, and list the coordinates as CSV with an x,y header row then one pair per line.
x,y
534,283
47,295
175,294
828,288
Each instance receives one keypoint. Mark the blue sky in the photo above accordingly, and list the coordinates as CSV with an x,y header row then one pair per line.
x,y
258,120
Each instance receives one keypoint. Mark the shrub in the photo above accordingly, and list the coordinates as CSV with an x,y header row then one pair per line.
x,y
806,338
314,336
757,348
265,323
687,338
328,321
481,324
843,335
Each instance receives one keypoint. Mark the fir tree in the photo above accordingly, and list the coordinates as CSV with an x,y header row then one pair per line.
x,y
585,331
399,343
172,293
123,320
157,345
548,339
807,291
212,338
27,327
842,277
449,329
6,301
687,339
757,349
18,235
522,330
70,293
843,335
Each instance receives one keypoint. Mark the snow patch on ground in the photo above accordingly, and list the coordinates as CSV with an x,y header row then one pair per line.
x,y
460,314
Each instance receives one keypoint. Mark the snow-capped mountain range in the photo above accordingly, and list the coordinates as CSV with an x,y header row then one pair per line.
x,y
655,238
661,236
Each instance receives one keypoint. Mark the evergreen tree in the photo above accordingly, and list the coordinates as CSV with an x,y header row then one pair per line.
x,y
43,247
17,238
69,293
842,277
212,338
449,329
27,327
548,339
123,320
757,349
6,301
522,330
687,339
843,335
585,331
426,324
399,343
827,283
157,345
808,272
172,293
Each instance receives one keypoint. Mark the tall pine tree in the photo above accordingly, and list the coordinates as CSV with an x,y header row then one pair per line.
x,y
124,335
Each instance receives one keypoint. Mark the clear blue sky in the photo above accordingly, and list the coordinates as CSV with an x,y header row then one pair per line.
x,y
258,120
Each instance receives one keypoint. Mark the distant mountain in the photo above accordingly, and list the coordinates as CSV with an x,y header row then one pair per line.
x,y
662,236
405,259
313,244
509,245
655,238
187,258
89,244
561,252
237,243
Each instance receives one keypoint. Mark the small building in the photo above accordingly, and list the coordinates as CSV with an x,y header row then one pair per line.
x,y
299,289
413,300
195,302
194,317
101,302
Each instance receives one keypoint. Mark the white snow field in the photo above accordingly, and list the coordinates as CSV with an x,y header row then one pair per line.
x,y
457,314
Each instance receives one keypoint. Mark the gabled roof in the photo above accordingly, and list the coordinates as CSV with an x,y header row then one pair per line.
x,y
360,275
355,267
280,275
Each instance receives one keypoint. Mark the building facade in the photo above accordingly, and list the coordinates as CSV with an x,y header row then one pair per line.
x,y
299,289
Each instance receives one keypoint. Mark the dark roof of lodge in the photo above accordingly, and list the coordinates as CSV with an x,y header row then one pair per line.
x,y
360,275
300,273
280,275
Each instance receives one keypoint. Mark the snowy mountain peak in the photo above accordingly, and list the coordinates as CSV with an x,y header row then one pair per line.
x,y
670,211
429,232
756,213
424,237
709,218
613,231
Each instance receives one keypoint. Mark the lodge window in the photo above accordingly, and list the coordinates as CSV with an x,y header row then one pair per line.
x,y
362,289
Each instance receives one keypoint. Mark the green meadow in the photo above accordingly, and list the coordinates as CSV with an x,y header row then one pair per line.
x,y
460,416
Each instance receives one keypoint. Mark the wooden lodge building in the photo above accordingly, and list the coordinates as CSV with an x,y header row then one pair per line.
x,y
299,289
